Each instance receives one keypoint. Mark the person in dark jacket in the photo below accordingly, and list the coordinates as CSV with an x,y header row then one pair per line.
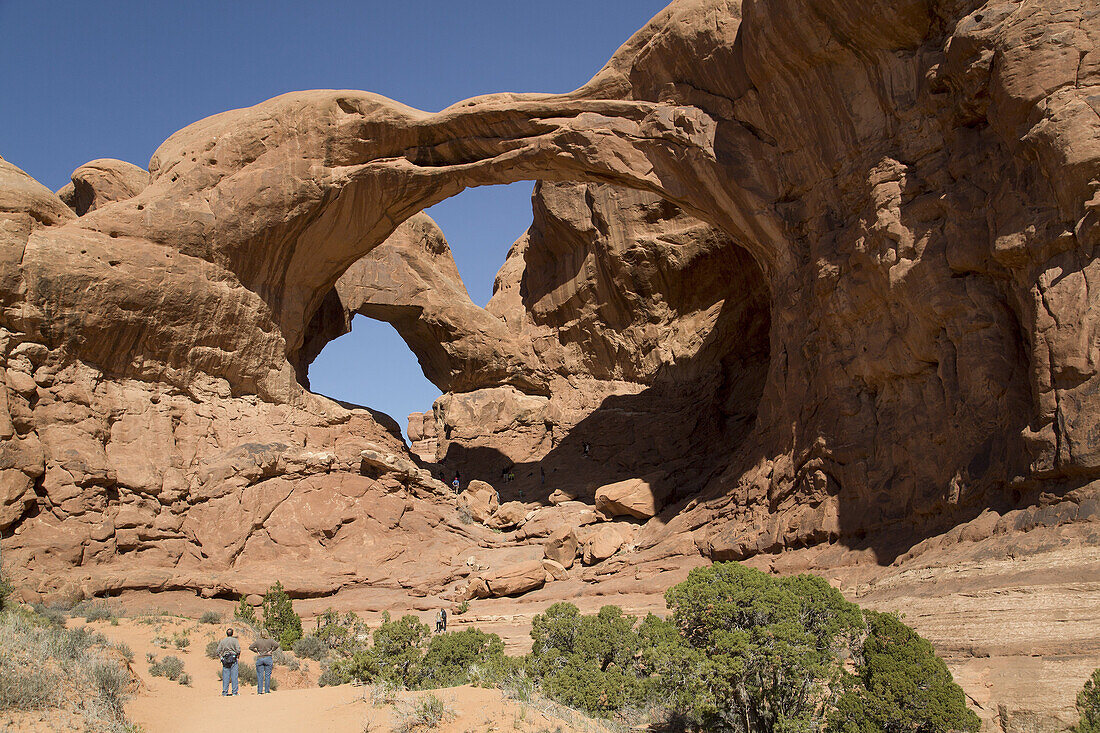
x,y
263,647
229,652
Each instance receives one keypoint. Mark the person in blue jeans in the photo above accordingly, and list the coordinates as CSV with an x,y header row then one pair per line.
x,y
229,652
264,646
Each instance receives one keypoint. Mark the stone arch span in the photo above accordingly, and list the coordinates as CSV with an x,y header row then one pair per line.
x,y
286,195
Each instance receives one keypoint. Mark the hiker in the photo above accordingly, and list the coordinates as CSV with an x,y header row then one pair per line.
x,y
229,651
585,447
439,622
263,647
443,617
455,484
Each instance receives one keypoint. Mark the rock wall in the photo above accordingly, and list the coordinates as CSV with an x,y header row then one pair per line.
x,y
817,274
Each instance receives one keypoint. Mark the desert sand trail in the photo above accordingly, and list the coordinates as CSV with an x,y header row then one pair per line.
x,y
298,705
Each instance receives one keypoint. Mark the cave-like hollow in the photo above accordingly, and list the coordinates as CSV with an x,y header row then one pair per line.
x,y
625,339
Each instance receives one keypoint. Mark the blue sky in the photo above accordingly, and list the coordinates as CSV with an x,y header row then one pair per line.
x,y
114,79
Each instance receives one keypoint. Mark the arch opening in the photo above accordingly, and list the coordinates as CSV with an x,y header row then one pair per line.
x,y
625,338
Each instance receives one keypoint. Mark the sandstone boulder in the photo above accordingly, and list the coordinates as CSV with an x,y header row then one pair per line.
x,y
561,546
480,500
555,569
509,515
633,497
514,580
604,542
560,496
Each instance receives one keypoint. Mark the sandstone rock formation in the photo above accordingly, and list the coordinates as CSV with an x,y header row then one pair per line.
x,y
824,268
99,182
633,497
561,546
480,500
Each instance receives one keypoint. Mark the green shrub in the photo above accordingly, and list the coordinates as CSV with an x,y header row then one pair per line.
x,y
170,668
587,662
451,657
900,685
342,634
394,657
211,617
310,647
211,649
246,613
280,620
744,651
6,589
398,648
1088,705
330,677
755,651
462,608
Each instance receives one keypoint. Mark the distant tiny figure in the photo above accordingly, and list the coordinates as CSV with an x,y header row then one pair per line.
x,y
585,447
263,647
443,617
439,621
229,651
455,484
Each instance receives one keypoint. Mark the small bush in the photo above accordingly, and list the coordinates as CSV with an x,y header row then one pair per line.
x,y
125,650
282,659
27,687
330,678
246,613
310,647
110,682
181,640
170,668
55,616
383,693
211,649
98,612
184,679
427,713
210,617
462,608
150,657
451,656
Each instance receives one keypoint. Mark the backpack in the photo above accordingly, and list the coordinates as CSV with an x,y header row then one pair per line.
x,y
229,658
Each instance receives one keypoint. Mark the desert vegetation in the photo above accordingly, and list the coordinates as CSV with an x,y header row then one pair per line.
x,y
740,651
58,673
278,619
1088,705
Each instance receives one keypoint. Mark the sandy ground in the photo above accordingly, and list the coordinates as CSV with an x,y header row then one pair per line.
x,y
163,706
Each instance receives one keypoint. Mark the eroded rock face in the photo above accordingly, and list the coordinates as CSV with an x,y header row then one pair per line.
x,y
845,305
99,182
